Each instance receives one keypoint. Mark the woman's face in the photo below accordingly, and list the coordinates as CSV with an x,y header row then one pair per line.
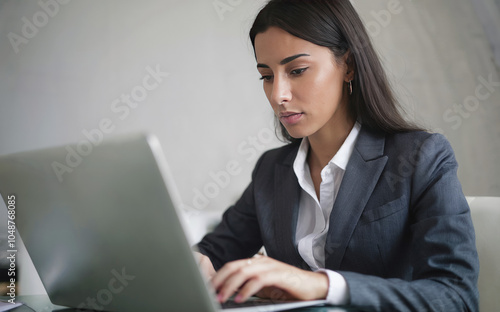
x,y
303,83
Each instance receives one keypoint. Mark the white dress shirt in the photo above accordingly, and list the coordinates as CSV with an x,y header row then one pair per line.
x,y
314,213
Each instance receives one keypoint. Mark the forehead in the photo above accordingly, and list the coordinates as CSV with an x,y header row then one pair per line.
x,y
275,44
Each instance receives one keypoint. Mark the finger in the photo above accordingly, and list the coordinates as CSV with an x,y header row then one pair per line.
x,y
238,279
224,273
227,270
231,285
280,282
263,285
249,289
262,280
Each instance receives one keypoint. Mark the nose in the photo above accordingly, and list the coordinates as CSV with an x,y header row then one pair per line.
x,y
281,91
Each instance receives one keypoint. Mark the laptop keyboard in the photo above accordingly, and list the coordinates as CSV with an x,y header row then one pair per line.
x,y
230,304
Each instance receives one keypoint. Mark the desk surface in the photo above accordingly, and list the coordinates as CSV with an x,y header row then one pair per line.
x,y
42,303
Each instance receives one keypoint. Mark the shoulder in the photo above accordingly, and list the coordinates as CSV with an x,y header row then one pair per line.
x,y
270,162
282,155
420,146
414,146
416,160
412,138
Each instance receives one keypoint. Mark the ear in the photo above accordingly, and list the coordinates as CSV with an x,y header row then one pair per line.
x,y
350,66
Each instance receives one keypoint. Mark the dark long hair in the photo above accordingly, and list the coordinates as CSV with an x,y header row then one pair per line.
x,y
335,24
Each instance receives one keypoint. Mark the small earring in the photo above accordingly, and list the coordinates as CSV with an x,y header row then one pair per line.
x,y
350,87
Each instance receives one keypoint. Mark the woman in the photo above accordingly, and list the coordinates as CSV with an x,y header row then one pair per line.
x,y
361,208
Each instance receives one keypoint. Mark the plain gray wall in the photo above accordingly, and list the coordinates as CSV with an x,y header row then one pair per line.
x,y
208,109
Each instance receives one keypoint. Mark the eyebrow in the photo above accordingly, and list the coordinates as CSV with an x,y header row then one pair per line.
x,y
285,60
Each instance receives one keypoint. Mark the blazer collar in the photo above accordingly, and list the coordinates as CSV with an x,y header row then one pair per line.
x,y
290,157
370,144
286,206
362,173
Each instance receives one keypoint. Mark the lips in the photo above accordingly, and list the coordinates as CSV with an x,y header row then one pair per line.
x,y
290,118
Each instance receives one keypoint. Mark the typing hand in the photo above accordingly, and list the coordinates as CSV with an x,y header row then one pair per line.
x,y
206,266
269,278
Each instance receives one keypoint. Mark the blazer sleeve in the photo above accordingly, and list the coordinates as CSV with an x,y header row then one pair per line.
x,y
443,255
238,234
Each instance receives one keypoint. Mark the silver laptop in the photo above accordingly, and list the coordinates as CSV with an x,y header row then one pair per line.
x,y
101,225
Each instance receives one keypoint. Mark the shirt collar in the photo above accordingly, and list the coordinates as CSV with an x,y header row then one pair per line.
x,y
340,159
344,153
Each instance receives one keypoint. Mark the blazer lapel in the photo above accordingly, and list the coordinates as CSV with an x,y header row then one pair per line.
x,y
362,173
286,206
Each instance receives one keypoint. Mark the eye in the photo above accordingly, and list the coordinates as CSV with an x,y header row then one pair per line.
x,y
266,77
298,71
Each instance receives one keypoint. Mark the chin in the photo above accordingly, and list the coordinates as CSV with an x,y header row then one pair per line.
x,y
297,134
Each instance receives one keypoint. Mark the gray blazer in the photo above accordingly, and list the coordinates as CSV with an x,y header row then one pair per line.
x,y
400,229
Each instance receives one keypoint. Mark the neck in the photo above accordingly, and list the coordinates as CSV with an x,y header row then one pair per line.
x,y
326,143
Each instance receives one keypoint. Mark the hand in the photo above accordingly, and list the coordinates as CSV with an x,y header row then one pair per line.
x,y
268,278
206,266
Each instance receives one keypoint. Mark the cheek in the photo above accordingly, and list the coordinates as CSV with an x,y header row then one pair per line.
x,y
312,92
321,84
327,88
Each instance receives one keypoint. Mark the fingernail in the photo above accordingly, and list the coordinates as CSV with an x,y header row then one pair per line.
x,y
219,297
238,298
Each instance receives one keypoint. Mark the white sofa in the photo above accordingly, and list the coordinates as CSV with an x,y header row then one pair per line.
x,y
486,218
